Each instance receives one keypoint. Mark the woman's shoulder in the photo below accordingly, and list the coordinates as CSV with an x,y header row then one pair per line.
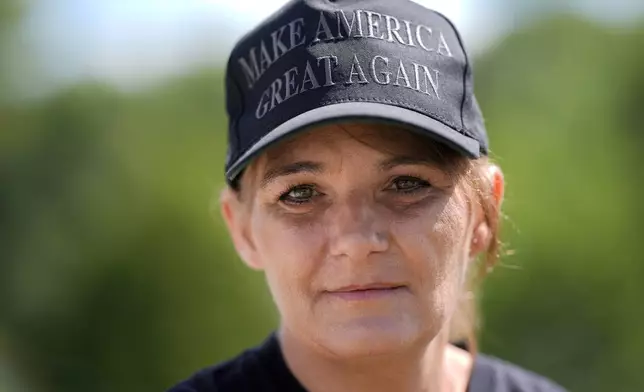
x,y
491,374
260,368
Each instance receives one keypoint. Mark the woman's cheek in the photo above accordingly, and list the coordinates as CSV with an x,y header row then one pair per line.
x,y
450,231
431,238
425,229
289,248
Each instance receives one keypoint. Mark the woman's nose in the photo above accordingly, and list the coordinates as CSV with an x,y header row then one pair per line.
x,y
356,230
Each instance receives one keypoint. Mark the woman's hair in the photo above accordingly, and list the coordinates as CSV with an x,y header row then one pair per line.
x,y
472,176
478,185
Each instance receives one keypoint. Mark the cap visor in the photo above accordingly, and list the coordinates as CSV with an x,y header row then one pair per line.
x,y
361,111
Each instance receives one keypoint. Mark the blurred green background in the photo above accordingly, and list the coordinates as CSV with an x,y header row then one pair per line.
x,y
116,276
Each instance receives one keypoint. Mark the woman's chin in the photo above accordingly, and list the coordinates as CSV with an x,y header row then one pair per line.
x,y
372,336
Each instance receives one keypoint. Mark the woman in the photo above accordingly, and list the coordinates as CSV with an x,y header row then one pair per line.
x,y
358,182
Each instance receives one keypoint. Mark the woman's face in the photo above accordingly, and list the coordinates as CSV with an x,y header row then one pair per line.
x,y
363,237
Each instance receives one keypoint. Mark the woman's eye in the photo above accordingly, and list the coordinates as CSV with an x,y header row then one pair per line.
x,y
408,184
299,194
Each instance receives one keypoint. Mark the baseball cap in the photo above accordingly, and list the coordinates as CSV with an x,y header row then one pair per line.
x,y
319,61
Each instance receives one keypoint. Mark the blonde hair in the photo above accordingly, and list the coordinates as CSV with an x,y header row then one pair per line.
x,y
466,321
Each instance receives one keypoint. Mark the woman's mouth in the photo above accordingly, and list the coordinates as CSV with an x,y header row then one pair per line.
x,y
367,292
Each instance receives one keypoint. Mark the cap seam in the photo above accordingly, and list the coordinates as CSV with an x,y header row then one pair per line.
x,y
465,69
233,121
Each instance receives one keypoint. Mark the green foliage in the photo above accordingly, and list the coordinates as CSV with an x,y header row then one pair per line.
x,y
115,276
562,105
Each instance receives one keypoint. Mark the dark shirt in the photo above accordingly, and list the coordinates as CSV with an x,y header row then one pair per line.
x,y
263,369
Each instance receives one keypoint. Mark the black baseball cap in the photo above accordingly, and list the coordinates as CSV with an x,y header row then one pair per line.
x,y
320,61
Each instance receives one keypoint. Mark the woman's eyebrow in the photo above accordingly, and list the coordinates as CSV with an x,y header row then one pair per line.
x,y
291,168
392,162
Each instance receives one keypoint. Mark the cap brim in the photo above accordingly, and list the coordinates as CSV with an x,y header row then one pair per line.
x,y
361,111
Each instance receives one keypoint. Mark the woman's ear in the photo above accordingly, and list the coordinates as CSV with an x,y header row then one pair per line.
x,y
482,235
237,218
495,176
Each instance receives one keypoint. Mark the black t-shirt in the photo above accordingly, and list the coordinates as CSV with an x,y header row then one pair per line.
x,y
263,369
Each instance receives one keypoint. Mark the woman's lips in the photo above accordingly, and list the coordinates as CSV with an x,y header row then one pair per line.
x,y
367,292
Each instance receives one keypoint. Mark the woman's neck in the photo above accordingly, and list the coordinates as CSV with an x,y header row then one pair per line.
x,y
436,367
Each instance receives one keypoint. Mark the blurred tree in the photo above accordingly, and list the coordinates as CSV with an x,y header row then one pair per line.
x,y
558,98
10,11
126,287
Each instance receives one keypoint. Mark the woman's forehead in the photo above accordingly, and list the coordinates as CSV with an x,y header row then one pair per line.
x,y
327,141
